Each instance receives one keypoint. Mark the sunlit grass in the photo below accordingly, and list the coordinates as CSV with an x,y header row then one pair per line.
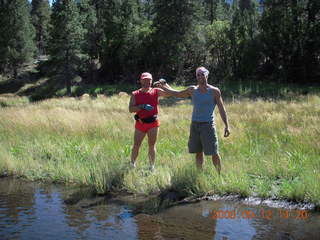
x,y
273,150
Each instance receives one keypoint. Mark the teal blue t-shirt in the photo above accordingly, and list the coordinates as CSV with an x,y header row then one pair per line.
x,y
203,106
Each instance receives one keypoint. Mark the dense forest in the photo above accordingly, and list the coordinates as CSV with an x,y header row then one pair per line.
x,y
106,41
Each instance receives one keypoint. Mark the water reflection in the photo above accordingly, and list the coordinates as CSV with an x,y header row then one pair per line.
x,y
16,206
38,211
97,217
180,222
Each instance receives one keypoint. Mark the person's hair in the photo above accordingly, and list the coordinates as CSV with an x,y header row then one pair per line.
x,y
202,70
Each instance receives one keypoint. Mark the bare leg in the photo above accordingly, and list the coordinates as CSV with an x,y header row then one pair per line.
x,y
137,140
152,138
199,159
216,162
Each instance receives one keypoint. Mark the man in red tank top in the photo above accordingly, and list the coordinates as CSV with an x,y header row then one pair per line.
x,y
144,102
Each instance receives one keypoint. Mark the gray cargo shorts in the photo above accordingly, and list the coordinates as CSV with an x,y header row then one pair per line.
x,y
203,138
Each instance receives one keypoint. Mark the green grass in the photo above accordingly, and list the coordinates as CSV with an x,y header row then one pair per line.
x,y
273,150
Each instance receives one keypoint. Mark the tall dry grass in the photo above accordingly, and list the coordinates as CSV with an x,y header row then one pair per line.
x,y
273,150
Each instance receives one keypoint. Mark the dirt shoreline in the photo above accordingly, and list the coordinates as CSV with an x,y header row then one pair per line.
x,y
169,198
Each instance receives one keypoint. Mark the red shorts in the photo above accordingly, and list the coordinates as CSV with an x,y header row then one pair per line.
x,y
145,127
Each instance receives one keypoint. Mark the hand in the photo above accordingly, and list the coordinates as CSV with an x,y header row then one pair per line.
x,y
160,83
157,84
147,107
226,132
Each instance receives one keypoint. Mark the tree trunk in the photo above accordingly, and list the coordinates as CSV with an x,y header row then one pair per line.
x,y
15,72
67,77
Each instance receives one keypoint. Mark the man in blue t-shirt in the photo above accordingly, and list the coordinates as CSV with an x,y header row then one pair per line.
x,y
203,138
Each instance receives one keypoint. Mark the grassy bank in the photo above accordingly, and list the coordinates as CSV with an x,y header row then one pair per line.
x,y
273,151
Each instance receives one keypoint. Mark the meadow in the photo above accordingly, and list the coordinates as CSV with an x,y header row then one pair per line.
x,y
273,150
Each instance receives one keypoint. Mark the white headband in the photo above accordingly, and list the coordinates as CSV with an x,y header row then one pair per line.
x,y
202,70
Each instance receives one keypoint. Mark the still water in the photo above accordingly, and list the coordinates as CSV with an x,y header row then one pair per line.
x,y
42,211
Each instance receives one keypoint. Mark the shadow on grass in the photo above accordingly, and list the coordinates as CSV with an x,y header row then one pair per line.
x,y
12,85
39,82
33,83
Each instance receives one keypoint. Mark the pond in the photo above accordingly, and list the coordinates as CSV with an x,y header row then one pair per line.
x,y
44,211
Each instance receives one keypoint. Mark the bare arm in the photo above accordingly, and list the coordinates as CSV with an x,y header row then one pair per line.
x,y
222,110
165,90
132,105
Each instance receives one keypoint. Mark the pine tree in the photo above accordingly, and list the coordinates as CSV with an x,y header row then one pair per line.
x,y
99,11
173,25
121,22
90,47
66,39
17,33
243,36
212,9
311,46
89,21
40,14
290,34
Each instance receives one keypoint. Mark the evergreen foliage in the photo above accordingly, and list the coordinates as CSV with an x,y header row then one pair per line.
x,y
290,34
107,41
90,45
243,36
40,14
173,25
17,33
66,39
123,35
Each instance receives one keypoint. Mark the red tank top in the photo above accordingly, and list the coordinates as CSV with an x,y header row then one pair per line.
x,y
150,97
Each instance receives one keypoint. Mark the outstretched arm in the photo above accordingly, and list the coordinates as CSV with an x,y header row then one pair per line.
x,y
222,111
167,91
